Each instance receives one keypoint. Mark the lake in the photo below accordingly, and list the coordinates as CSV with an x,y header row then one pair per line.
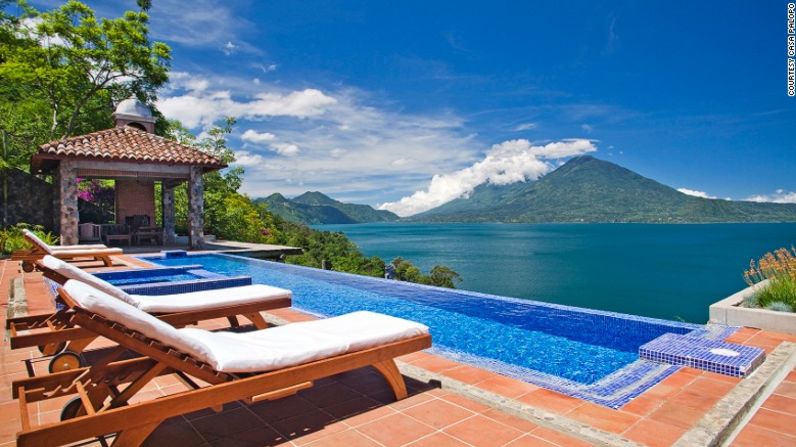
x,y
664,271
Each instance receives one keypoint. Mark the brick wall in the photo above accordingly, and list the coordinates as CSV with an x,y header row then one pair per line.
x,y
135,197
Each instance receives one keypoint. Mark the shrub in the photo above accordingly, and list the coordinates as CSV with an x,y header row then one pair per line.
x,y
751,301
781,262
11,238
779,306
780,289
779,268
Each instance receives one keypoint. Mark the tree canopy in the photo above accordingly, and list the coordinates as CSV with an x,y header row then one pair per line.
x,y
62,70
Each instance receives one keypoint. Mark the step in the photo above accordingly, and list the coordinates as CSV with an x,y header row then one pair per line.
x,y
705,354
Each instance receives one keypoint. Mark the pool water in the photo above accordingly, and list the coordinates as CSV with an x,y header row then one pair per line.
x,y
121,281
578,346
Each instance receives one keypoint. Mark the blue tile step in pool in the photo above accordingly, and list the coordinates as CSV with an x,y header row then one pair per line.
x,y
169,280
707,354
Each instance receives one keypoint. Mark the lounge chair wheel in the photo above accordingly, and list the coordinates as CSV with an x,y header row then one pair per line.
x,y
52,349
72,408
27,266
65,361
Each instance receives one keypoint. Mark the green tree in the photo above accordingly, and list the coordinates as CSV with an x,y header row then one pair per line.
x,y
62,70
444,276
228,214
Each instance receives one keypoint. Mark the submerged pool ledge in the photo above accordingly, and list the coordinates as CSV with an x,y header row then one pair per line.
x,y
715,356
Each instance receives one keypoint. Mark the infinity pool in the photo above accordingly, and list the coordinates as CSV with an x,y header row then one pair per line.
x,y
570,349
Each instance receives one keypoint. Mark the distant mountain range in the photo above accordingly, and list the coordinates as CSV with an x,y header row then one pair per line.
x,y
313,208
586,189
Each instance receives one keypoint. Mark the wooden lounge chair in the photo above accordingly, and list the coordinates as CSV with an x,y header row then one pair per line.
x,y
54,335
255,366
96,252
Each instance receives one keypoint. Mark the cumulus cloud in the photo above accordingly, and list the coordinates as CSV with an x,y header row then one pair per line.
x,y
252,136
508,162
779,196
197,107
695,193
268,140
346,142
248,159
288,149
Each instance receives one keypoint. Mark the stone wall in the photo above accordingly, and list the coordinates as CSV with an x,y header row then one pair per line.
x,y
27,199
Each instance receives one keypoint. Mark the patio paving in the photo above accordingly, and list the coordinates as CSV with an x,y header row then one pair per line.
x,y
356,408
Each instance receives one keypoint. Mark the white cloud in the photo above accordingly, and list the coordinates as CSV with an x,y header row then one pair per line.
x,y
779,196
252,136
695,193
344,142
206,23
508,162
268,140
229,48
287,149
196,107
587,128
267,68
248,159
29,27
525,126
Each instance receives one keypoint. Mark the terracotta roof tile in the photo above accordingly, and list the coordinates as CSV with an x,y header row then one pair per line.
x,y
126,144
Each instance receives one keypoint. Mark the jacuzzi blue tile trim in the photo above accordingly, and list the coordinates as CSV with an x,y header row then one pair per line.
x,y
168,288
147,272
697,353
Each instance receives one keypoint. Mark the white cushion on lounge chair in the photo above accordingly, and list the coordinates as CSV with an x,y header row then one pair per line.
x,y
179,302
35,239
60,248
101,303
209,299
262,350
69,271
56,248
297,343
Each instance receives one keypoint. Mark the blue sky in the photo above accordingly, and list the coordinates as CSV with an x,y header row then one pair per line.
x,y
367,101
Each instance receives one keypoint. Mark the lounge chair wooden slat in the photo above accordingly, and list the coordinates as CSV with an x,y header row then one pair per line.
x,y
64,333
88,406
24,415
137,384
278,394
133,423
118,419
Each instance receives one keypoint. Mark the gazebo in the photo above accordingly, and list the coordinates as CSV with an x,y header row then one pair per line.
x,y
136,158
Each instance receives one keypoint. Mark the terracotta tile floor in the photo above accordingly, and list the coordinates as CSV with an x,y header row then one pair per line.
x,y
356,408
774,423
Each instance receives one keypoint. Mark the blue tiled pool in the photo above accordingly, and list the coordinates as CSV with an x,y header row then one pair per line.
x,y
153,279
167,280
582,352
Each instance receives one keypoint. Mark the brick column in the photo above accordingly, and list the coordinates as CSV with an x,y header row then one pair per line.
x,y
67,180
196,207
167,208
